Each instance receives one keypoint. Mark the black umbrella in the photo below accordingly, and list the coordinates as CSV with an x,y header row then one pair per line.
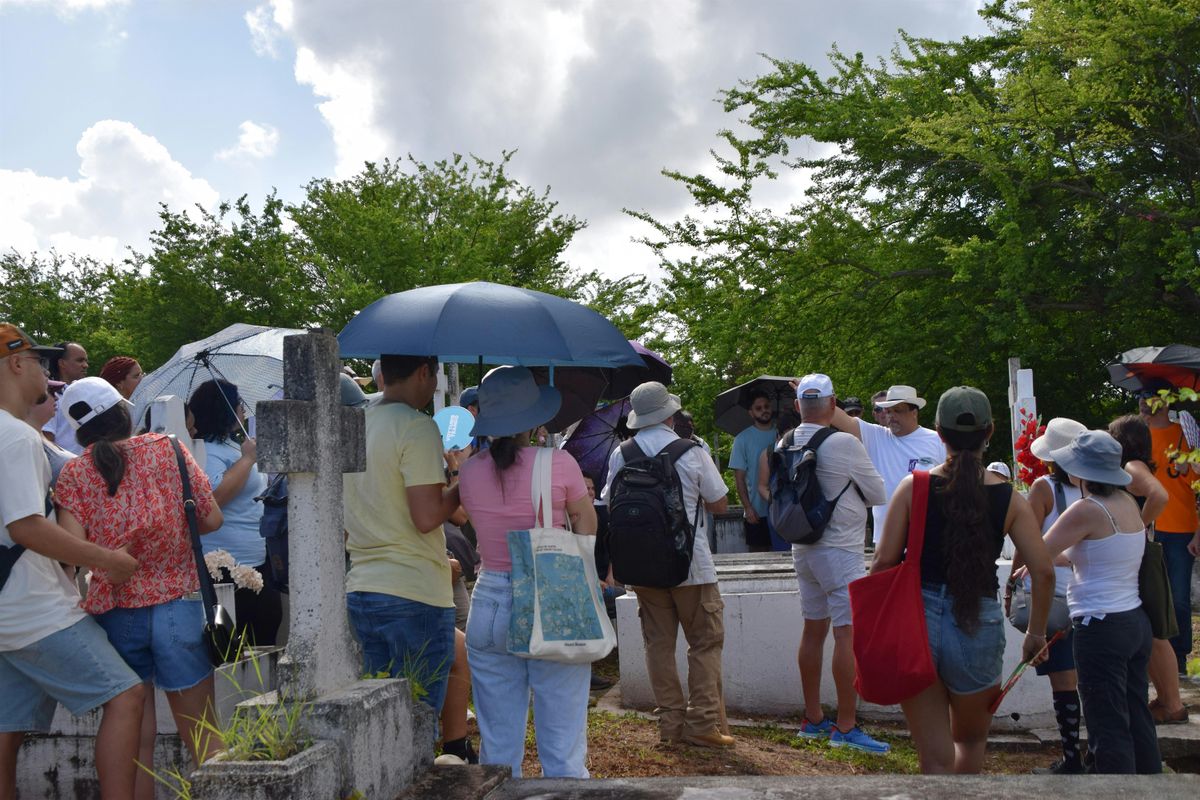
x,y
1178,364
731,406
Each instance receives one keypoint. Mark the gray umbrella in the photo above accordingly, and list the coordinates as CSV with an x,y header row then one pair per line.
x,y
248,356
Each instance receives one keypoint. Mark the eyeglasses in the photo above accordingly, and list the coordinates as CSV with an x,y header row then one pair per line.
x,y
43,361
878,409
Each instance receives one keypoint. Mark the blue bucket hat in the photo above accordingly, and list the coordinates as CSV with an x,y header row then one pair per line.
x,y
1093,456
510,402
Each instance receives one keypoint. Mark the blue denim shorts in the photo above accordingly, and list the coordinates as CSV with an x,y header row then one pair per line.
x,y
405,639
162,643
965,663
75,666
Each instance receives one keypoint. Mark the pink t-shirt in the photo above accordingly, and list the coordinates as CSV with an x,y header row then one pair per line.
x,y
494,513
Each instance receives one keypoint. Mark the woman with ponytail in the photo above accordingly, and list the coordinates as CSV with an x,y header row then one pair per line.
x,y
122,493
970,510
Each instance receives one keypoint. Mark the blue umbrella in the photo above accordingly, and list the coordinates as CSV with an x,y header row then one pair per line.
x,y
486,323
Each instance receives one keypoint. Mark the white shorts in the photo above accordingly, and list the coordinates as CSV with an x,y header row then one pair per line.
x,y
824,575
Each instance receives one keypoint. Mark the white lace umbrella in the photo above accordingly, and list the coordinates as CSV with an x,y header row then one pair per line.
x,y
248,356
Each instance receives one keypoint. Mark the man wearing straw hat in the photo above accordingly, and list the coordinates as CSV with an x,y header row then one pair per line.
x,y
696,603
898,448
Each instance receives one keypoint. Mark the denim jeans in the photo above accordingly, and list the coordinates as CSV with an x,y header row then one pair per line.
x,y
1179,575
501,684
966,662
405,639
1111,656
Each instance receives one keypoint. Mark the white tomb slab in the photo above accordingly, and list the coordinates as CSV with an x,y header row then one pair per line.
x,y
763,623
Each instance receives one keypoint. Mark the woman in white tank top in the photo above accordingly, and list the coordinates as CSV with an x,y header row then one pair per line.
x,y
1049,496
1104,537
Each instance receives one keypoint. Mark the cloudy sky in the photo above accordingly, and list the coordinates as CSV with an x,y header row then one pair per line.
x,y
109,107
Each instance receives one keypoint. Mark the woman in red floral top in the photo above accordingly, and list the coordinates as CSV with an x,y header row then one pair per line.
x,y
125,493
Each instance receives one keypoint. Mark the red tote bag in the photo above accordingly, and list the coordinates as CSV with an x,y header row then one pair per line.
x,y
891,645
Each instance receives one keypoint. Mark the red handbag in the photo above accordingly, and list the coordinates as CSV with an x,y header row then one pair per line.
x,y
891,645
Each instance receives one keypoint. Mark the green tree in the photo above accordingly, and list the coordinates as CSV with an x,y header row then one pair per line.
x,y
1030,192
206,271
386,230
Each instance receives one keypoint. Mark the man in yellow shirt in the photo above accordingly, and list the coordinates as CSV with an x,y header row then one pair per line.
x,y
398,592
1178,526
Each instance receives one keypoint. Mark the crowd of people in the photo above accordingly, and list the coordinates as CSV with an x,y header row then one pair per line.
x,y
429,586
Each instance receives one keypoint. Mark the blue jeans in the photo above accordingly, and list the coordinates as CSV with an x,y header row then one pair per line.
x,y
1179,575
501,684
966,662
162,643
405,639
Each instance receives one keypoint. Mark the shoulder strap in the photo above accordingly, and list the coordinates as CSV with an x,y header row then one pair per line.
x,y
676,449
189,509
818,438
1112,520
632,451
542,489
916,518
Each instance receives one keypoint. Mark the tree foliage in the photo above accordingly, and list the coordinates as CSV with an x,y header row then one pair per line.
x,y
1030,192
345,245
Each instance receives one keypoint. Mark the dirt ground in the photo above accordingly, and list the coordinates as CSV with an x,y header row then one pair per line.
x,y
626,745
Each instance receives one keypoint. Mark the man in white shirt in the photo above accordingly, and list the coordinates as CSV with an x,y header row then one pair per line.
x,y
694,604
900,447
824,569
68,366
51,651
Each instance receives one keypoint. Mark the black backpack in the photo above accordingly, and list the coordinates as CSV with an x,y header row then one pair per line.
x,y
798,509
650,538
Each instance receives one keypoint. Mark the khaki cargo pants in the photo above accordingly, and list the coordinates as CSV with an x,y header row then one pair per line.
x,y
699,610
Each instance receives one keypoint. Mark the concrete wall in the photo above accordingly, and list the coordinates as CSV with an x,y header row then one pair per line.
x,y
61,764
762,632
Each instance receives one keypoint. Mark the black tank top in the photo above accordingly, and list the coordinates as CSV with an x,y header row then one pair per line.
x,y
934,557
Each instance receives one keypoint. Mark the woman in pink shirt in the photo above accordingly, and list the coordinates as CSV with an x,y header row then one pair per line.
x,y
496,491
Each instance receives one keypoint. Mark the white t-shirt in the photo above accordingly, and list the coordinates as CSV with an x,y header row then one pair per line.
x,y
60,428
698,477
38,599
840,459
896,456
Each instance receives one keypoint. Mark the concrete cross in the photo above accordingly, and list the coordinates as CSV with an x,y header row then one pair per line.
x,y
314,438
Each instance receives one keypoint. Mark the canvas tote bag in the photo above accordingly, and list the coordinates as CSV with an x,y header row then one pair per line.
x,y
891,645
558,609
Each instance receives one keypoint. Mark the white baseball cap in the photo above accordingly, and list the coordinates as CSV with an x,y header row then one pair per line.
x,y
814,385
88,398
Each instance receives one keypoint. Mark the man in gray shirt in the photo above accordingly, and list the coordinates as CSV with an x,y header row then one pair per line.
x,y
824,569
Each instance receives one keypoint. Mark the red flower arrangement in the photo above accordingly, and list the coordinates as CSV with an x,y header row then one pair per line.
x,y
1029,466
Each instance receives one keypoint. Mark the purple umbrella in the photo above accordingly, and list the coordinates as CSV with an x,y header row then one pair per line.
x,y
593,440
583,387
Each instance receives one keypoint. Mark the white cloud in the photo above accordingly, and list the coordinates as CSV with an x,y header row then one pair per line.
x,y
264,33
598,96
123,176
67,8
254,142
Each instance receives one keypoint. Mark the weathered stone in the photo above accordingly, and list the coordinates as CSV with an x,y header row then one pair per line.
x,y
470,782
313,437
384,738
857,787
304,775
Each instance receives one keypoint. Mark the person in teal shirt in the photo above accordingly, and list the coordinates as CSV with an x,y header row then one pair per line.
x,y
747,447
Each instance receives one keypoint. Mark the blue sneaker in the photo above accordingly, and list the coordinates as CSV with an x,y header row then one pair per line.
x,y
815,730
857,738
